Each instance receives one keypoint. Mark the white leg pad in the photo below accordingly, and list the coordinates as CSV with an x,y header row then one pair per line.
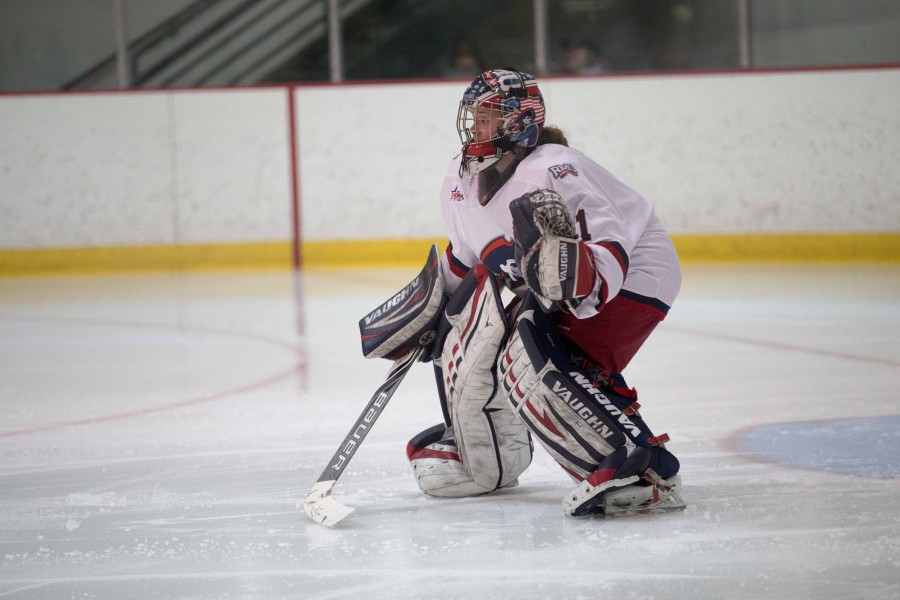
x,y
438,466
494,446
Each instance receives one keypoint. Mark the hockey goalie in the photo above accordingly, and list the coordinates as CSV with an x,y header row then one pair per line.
x,y
592,273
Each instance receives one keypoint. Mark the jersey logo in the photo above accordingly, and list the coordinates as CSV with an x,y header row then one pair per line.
x,y
560,171
499,256
456,195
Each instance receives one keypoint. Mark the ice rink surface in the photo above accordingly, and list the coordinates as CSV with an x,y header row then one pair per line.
x,y
159,433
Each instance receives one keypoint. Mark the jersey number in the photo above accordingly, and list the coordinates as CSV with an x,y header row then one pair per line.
x,y
582,225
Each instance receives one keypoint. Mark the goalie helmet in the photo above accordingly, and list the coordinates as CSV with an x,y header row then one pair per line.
x,y
500,110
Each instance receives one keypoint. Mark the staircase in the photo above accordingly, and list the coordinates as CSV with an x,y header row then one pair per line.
x,y
218,42
240,42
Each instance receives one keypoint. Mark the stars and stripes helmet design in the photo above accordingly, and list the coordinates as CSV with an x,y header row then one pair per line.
x,y
512,104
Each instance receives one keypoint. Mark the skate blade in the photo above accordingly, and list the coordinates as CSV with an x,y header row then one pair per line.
x,y
586,499
673,503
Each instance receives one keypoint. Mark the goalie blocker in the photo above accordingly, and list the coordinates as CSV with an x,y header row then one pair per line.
x,y
408,319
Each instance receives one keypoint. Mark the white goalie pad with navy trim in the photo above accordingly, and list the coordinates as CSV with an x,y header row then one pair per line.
x,y
574,420
484,438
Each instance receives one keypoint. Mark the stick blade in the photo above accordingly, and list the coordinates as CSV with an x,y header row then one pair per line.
x,y
321,506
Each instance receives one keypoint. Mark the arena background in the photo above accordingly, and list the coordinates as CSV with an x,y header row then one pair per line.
x,y
773,165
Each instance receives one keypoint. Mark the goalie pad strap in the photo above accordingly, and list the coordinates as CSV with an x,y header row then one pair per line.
x,y
613,386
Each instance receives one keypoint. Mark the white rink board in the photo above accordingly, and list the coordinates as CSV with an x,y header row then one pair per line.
x,y
144,168
233,166
372,158
725,153
789,152
84,170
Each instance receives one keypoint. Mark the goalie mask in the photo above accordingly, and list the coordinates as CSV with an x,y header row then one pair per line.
x,y
501,110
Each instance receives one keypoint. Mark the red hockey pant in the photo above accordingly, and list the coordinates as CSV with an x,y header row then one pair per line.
x,y
612,337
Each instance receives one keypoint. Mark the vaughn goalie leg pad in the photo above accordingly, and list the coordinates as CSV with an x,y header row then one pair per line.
x,y
613,387
484,447
660,485
584,431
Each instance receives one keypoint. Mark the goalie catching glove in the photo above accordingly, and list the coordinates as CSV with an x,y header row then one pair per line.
x,y
556,265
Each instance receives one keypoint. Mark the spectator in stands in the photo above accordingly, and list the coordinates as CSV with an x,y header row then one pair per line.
x,y
465,61
582,57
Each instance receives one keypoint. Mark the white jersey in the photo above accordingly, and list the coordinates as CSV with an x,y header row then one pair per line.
x,y
633,255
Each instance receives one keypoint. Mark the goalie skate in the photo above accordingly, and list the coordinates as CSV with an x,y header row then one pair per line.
x,y
618,470
653,495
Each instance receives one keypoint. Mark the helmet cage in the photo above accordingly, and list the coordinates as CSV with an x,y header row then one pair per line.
x,y
515,111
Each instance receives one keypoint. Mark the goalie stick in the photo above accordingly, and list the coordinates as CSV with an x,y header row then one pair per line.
x,y
320,505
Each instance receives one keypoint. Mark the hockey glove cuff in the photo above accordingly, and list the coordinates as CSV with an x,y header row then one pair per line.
x,y
558,269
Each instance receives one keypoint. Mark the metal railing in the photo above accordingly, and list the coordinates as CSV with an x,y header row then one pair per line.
x,y
217,42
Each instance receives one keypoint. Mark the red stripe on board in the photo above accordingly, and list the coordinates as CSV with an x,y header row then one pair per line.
x,y
295,181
